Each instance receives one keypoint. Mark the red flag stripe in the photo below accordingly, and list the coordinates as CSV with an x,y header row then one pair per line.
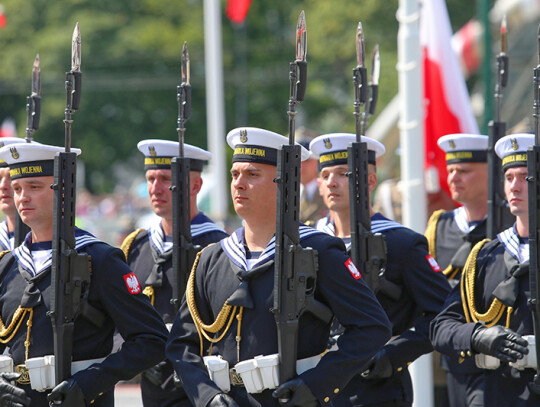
x,y
237,10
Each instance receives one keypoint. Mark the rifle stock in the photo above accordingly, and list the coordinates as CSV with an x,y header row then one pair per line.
x,y
295,270
368,250
184,252
498,213
533,170
70,273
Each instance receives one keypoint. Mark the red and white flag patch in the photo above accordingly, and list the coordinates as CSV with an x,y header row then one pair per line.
x,y
132,283
433,263
352,269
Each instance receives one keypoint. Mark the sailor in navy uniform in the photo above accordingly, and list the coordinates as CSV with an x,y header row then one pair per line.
x,y
421,287
232,284
451,236
112,301
149,252
487,314
7,227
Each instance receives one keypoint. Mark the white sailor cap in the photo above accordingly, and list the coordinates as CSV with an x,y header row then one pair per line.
x,y
31,159
331,149
4,141
464,148
512,149
158,154
251,144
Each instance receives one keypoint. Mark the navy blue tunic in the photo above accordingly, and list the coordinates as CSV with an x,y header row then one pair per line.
x,y
351,301
451,334
124,307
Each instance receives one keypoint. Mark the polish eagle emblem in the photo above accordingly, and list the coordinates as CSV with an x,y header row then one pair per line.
x,y
515,145
132,283
243,135
327,143
152,151
452,144
14,152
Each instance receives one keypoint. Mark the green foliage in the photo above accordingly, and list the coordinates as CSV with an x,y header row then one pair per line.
x,y
131,67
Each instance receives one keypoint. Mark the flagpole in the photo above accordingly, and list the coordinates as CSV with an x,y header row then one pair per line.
x,y
215,109
411,142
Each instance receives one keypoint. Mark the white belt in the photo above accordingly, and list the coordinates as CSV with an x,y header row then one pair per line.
x,y
39,372
257,374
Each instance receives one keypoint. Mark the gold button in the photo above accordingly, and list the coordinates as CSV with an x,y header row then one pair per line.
x,y
101,394
326,399
408,363
336,391
462,354
469,353
92,402
399,369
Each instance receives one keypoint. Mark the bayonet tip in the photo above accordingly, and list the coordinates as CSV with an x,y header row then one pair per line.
x,y
184,66
503,34
360,53
375,65
76,48
36,73
301,37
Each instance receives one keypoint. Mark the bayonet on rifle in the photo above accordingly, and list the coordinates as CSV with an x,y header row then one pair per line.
x,y
184,252
33,110
295,269
533,170
368,251
70,272
498,214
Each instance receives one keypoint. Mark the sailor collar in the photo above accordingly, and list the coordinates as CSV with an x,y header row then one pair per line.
x,y
510,240
23,253
200,225
234,247
379,224
462,222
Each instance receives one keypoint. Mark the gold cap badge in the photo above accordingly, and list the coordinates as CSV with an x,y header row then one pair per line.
x,y
327,143
515,145
14,152
452,144
243,135
152,151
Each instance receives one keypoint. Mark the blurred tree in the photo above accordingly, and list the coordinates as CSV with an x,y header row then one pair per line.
x,y
131,67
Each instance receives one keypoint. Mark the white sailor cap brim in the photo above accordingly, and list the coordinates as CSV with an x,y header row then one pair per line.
x,y
463,147
512,149
31,159
331,149
158,154
251,144
4,141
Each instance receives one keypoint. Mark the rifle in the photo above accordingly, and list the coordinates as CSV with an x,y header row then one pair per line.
x,y
70,273
533,170
184,252
498,214
368,250
33,110
295,267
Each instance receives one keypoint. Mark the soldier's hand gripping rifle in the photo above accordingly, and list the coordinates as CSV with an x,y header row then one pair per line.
x,y
368,250
33,110
498,213
533,170
70,274
295,268
184,252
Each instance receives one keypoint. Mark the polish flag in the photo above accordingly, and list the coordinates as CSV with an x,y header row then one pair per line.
x,y
7,129
447,108
3,20
237,10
